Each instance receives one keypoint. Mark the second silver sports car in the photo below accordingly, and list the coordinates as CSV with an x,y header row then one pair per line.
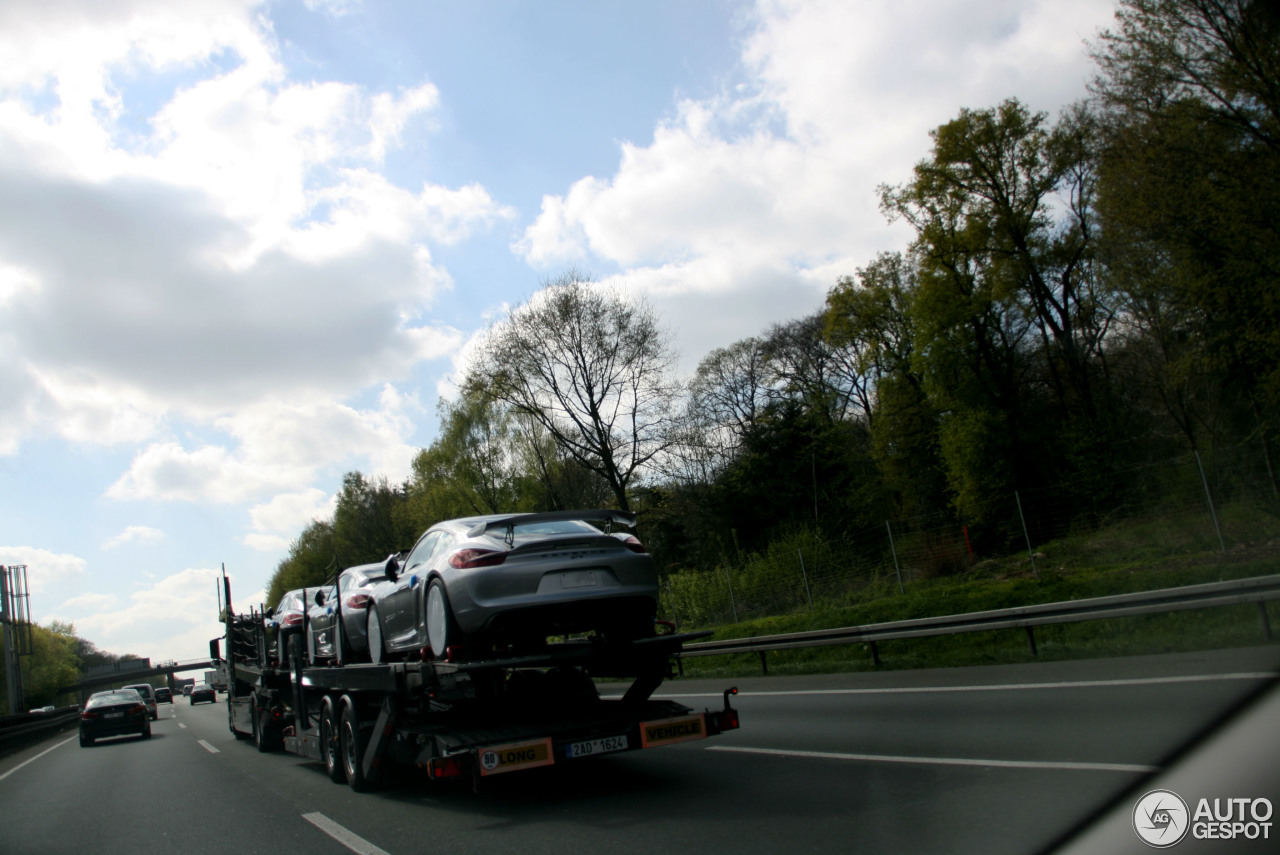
x,y
509,581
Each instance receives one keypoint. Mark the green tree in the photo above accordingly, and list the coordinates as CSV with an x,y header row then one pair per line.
x,y
592,369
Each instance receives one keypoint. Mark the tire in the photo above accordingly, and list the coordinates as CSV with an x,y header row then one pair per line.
x,y
352,744
263,737
85,741
442,628
377,649
330,749
146,734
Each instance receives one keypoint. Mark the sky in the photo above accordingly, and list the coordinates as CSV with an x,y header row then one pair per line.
x,y
244,245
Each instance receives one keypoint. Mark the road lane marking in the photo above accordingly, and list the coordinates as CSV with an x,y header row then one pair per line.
x,y
181,725
208,747
943,761
352,841
37,757
993,687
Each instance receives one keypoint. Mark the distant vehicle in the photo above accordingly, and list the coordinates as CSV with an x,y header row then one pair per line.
x,y
148,698
203,692
354,587
42,710
113,713
164,695
511,580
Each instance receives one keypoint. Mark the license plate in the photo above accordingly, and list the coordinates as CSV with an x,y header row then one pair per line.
x,y
579,579
592,747
114,715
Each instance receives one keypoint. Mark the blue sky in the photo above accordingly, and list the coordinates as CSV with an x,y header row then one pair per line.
x,y
244,246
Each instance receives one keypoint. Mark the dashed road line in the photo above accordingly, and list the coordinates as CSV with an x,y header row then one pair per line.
x,y
208,747
349,839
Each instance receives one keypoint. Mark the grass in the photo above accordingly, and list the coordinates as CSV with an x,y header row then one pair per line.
x,y
1099,566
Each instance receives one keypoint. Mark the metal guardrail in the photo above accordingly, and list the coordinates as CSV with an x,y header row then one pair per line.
x,y
35,725
1213,594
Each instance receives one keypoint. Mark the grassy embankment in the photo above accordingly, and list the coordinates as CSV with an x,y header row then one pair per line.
x,y
1135,556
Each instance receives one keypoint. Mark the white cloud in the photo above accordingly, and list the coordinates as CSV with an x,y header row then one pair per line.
x,y
89,603
776,179
281,447
135,534
174,618
277,522
45,569
231,245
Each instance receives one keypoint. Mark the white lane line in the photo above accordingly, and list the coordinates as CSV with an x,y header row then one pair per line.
x,y
208,747
996,687
181,725
943,761
37,757
352,841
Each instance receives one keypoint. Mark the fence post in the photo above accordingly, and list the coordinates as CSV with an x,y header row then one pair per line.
x,y
732,601
894,550
1030,551
1208,497
805,576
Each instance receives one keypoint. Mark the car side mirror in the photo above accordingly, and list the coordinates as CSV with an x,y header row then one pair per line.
x,y
269,613
392,568
320,597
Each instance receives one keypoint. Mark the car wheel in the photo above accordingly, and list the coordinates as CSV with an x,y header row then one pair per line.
x,y
85,741
352,744
442,629
377,652
146,734
330,749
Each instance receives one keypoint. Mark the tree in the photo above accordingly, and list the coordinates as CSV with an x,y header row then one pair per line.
x,y
590,367
1190,195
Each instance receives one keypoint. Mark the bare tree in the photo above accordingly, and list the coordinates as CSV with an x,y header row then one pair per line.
x,y
592,368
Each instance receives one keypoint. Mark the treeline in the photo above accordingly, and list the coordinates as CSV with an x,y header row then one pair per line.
x,y
1083,293
58,658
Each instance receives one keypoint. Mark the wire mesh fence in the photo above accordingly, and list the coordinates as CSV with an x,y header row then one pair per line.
x,y
1197,505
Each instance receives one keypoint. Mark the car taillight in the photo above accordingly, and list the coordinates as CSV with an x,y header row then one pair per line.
x,y
356,601
632,543
291,619
138,708
89,715
465,559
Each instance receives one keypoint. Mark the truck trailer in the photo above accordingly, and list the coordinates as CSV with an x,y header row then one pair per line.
x,y
456,719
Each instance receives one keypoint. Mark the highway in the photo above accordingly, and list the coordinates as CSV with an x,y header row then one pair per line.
x,y
982,760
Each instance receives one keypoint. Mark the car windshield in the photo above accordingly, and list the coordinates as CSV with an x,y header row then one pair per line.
x,y
554,527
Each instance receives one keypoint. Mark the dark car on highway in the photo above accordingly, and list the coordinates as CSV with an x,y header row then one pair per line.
x,y
114,713
164,695
202,692
511,580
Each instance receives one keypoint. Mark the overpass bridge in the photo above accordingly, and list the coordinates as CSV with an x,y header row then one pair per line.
x,y
132,675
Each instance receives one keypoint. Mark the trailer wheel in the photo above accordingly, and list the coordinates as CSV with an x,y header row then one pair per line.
x,y
353,743
261,740
330,749
377,651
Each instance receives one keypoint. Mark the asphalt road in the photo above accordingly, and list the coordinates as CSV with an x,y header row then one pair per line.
x,y
982,760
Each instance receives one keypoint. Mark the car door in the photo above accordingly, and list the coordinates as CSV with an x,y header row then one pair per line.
x,y
397,603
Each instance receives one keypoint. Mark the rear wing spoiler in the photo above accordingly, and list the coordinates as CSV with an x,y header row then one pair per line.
x,y
626,518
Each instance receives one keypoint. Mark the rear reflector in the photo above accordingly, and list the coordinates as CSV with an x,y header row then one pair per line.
x,y
445,767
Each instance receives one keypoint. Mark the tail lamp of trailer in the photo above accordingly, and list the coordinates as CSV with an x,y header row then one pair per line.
x,y
444,767
725,719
